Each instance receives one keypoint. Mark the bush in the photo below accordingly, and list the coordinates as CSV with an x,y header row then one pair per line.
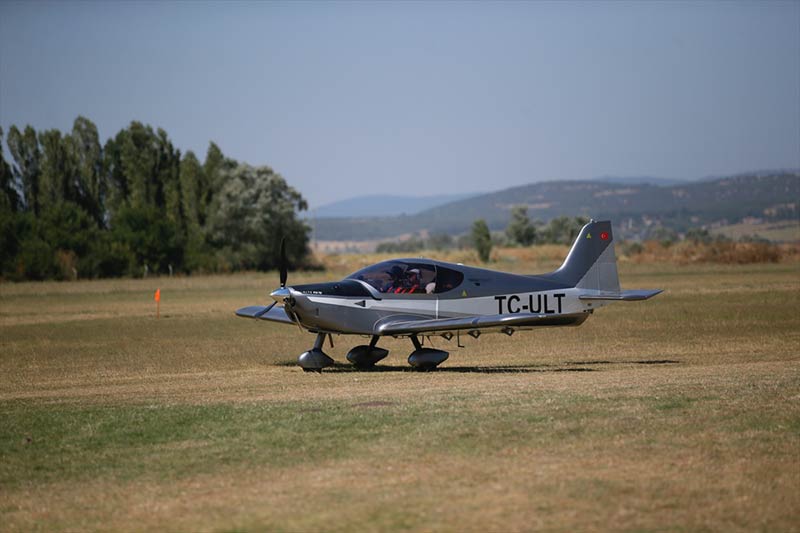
x,y
715,252
520,230
560,230
440,241
36,260
631,248
146,238
411,245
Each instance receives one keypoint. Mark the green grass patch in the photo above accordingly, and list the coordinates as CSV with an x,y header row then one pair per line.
x,y
42,442
676,413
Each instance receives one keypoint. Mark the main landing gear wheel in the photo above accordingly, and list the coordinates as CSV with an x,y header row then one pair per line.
x,y
365,356
426,358
315,359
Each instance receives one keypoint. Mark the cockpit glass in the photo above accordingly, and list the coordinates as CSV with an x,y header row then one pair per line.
x,y
401,277
447,279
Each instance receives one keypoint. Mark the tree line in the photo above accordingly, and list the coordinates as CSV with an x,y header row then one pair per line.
x,y
71,206
521,231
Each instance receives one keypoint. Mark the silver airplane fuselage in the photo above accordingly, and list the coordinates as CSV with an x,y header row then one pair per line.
x,y
419,297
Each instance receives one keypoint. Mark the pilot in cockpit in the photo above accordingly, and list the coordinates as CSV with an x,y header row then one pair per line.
x,y
395,282
414,283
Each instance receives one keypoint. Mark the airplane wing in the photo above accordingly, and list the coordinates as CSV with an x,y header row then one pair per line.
x,y
408,324
276,314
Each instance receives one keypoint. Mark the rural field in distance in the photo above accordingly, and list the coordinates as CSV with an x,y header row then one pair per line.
x,y
679,413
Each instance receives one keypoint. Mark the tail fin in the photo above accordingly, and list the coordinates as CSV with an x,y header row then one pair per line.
x,y
591,262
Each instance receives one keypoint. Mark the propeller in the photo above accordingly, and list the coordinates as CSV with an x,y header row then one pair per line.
x,y
282,263
265,310
283,273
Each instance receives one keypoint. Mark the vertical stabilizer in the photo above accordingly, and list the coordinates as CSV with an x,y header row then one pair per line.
x,y
591,262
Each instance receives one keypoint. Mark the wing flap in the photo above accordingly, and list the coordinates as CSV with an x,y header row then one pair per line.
x,y
276,314
402,325
627,296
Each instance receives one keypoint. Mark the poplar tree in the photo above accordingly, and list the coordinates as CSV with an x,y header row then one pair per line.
x,y
54,180
191,182
138,159
166,181
213,167
482,239
9,198
86,159
24,148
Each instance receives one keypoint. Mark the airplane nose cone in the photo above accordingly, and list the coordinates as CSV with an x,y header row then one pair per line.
x,y
280,294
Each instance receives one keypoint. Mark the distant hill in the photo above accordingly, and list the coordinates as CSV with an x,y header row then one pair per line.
x,y
633,208
384,205
641,180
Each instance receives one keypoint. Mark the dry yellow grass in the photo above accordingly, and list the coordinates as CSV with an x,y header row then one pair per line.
x,y
785,231
678,413
539,258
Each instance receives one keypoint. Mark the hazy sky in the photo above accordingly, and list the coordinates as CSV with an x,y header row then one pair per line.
x,y
346,99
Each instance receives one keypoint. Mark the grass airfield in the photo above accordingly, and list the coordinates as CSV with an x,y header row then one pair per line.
x,y
680,413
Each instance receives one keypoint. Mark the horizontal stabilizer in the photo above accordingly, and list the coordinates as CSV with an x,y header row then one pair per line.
x,y
627,296
275,314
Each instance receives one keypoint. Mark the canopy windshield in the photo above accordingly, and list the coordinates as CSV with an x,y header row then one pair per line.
x,y
403,277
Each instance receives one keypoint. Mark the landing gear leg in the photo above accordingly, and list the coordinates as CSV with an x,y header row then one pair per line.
x,y
315,359
415,342
365,356
425,358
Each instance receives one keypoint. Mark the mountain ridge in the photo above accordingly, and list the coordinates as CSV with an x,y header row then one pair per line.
x,y
385,204
632,207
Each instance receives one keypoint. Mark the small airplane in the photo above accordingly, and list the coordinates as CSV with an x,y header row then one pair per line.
x,y
419,298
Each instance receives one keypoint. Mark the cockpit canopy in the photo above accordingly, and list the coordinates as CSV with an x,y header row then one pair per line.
x,y
408,277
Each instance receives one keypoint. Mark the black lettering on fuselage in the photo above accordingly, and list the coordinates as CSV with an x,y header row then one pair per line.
x,y
500,300
538,303
542,304
558,298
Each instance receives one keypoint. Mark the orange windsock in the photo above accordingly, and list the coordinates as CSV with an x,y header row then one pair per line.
x,y
157,296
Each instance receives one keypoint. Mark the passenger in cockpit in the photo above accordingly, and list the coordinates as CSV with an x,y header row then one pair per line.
x,y
431,286
411,284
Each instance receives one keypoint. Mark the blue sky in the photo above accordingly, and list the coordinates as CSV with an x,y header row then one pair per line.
x,y
416,98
